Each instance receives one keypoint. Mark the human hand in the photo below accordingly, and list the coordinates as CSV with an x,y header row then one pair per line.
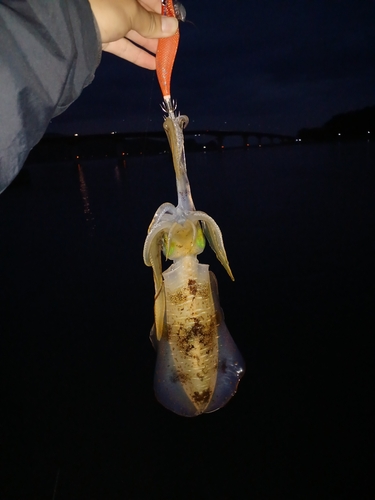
x,y
122,22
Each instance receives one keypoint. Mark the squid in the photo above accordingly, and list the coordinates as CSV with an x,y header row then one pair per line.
x,y
198,365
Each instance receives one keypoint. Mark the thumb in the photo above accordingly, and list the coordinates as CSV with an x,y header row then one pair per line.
x,y
152,25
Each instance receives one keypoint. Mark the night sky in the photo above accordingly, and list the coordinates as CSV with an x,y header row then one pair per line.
x,y
271,66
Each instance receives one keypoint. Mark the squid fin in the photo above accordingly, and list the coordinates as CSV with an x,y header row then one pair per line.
x,y
231,365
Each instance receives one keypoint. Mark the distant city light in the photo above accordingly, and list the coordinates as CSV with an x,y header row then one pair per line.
x,y
75,135
339,133
368,131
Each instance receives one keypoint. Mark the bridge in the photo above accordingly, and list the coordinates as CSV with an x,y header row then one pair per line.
x,y
220,136
55,148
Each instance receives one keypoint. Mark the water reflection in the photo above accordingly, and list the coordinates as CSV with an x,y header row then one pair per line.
x,y
117,175
85,198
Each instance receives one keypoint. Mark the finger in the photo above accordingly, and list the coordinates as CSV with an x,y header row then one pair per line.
x,y
151,25
127,50
150,44
154,5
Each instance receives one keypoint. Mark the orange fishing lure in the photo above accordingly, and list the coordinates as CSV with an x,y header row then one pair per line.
x,y
166,53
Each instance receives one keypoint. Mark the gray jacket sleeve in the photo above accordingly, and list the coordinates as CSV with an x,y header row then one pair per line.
x,y
49,52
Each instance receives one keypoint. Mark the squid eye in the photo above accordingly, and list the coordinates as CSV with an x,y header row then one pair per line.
x,y
167,246
200,240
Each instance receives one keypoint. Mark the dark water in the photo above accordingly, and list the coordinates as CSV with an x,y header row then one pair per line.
x,y
79,418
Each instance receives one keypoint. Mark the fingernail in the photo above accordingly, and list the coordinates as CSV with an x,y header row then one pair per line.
x,y
169,25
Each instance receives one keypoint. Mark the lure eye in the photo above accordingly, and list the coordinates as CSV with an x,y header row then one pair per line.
x,y
179,11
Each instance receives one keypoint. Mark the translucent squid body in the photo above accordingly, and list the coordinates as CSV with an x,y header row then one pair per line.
x,y
198,365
